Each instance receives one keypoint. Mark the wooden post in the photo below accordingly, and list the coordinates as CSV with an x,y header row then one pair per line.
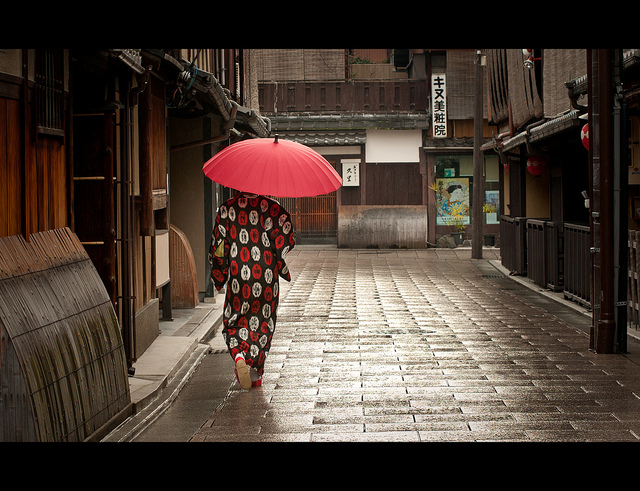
x,y
606,324
478,178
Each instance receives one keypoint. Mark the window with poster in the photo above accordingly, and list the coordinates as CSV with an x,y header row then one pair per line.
x,y
453,188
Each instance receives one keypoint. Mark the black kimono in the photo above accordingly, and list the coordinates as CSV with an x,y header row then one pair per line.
x,y
250,241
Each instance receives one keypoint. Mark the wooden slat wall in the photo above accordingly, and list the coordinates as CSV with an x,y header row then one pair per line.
x,y
313,217
498,87
184,278
560,66
300,64
526,104
394,184
386,184
370,96
461,84
509,82
61,342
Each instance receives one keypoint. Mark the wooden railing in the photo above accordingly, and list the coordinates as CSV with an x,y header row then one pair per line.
x,y
513,243
545,253
555,255
577,267
536,252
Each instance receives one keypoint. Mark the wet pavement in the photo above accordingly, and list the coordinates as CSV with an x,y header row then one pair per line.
x,y
409,346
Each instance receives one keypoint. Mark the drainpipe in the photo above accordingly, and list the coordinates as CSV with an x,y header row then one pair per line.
x,y
620,210
594,207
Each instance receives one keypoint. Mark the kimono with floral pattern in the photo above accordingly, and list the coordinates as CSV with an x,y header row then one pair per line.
x,y
250,240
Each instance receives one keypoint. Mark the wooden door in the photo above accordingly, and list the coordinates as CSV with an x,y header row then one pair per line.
x,y
315,219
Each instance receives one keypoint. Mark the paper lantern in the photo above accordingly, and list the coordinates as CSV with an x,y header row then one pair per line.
x,y
537,165
584,136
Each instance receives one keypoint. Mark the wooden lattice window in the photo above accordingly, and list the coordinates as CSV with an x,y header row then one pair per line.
x,y
49,91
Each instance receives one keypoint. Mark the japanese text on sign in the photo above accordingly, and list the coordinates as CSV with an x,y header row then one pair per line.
x,y
439,105
351,172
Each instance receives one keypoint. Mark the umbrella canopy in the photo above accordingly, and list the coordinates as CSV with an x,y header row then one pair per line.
x,y
275,168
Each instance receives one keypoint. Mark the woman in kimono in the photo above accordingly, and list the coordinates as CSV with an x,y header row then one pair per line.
x,y
250,240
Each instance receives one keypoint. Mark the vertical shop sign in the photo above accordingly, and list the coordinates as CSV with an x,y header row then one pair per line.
x,y
439,105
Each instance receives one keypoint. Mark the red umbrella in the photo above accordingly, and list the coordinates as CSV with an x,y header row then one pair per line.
x,y
274,168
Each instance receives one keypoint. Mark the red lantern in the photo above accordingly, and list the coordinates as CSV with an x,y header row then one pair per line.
x,y
537,165
584,136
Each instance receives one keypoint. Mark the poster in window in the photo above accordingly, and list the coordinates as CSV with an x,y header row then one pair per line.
x,y
452,201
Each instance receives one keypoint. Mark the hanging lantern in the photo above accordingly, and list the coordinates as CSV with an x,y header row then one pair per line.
x,y
537,165
584,136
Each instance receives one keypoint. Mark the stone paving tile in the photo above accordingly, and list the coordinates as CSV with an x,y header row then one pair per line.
x,y
376,346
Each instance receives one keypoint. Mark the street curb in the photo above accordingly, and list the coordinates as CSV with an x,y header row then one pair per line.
x,y
137,423
163,388
557,297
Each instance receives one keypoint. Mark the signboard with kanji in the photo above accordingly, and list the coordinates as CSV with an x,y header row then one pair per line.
x,y
351,172
439,105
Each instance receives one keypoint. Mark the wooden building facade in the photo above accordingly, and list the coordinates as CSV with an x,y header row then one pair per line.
x,y
86,146
34,142
567,141
369,112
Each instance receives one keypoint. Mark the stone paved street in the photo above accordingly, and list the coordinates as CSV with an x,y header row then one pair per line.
x,y
426,345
